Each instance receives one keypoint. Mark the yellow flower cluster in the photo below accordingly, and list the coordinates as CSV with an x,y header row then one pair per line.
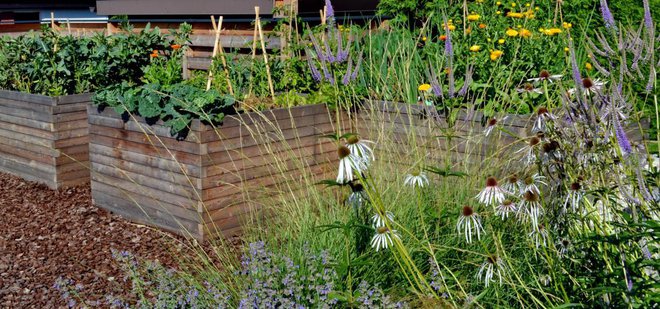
x,y
475,48
551,31
473,17
496,54
424,87
529,14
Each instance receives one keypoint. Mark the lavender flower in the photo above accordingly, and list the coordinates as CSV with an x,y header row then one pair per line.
x,y
607,15
449,53
329,13
576,70
348,74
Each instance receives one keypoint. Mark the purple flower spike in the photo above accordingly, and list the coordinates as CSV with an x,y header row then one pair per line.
x,y
357,67
316,75
349,71
621,138
648,22
607,15
329,13
577,78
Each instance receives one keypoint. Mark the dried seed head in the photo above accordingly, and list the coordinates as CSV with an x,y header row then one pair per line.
x,y
492,259
550,146
534,141
353,139
467,211
343,152
491,182
565,242
382,230
531,197
507,202
587,83
575,186
513,179
544,74
529,180
529,87
540,135
492,122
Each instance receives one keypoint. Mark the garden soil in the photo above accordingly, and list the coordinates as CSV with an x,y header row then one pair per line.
x,y
46,234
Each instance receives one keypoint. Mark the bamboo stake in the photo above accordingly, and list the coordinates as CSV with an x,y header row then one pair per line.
x,y
221,50
68,26
52,20
215,52
263,48
254,48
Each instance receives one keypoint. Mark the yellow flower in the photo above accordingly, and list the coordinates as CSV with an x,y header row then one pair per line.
x,y
588,66
567,25
566,49
475,48
525,33
424,38
451,26
480,1
552,31
473,17
488,39
511,33
527,4
496,54
498,3
529,14
498,12
513,4
514,15
500,41
536,8
468,30
424,87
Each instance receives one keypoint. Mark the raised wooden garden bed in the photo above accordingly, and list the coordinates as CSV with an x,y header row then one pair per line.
x,y
44,139
213,180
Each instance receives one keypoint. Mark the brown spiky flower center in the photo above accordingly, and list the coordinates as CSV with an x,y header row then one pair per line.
x,y
382,230
542,111
529,180
491,182
353,139
531,197
343,152
507,202
544,74
513,179
534,141
467,211
529,87
575,186
587,83
492,122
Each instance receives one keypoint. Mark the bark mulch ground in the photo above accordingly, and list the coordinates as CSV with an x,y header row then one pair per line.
x,y
46,234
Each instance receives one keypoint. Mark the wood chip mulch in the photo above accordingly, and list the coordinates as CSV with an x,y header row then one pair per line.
x,y
46,234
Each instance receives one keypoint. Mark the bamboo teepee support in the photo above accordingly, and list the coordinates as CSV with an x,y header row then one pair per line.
x,y
217,48
263,49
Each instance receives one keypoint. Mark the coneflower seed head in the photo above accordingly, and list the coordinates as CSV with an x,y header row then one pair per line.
x,y
467,211
534,141
513,178
491,182
507,202
343,152
529,87
382,229
542,111
353,139
575,186
529,180
491,259
544,74
587,83
530,196
492,122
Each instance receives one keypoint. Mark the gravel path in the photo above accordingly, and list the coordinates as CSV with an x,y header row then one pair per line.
x,y
46,234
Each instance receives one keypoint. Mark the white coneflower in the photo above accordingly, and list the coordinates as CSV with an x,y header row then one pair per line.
x,y
512,184
590,86
383,238
416,179
529,88
507,207
348,165
530,208
377,220
469,222
360,148
491,267
574,196
492,194
529,150
542,118
490,126
530,184
563,247
539,235
545,76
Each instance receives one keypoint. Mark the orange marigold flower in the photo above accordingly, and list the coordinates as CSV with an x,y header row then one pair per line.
x,y
175,46
482,26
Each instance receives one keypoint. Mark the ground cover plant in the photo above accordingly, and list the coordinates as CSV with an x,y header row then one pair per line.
x,y
566,215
